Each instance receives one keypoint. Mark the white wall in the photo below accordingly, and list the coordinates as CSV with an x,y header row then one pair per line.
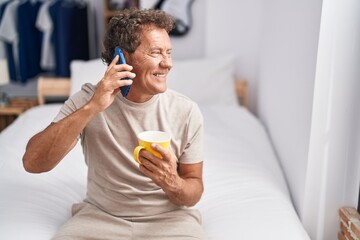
x,y
192,45
316,132
233,26
333,173
286,80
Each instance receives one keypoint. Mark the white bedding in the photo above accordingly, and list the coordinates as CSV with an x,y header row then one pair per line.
x,y
245,196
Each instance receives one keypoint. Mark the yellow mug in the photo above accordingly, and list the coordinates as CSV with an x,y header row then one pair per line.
x,y
145,140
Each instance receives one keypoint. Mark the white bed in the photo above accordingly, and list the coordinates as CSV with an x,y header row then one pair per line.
x,y
246,196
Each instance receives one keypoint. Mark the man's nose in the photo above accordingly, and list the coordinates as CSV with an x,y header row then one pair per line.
x,y
166,62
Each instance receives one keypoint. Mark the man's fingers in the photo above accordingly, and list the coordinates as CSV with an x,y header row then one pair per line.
x,y
125,82
163,151
124,74
113,63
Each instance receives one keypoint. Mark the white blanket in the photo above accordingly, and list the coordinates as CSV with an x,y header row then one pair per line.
x,y
245,196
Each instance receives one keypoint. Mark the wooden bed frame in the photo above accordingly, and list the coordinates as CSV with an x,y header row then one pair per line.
x,y
60,87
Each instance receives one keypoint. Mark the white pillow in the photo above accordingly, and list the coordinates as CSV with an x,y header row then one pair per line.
x,y
206,81
85,72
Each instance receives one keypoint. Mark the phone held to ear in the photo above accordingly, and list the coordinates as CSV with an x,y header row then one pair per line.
x,y
124,89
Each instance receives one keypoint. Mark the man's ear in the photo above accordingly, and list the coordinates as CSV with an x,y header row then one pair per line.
x,y
126,55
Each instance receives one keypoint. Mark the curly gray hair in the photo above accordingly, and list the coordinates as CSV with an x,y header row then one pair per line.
x,y
125,29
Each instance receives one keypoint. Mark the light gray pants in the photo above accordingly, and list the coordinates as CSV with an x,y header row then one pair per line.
x,y
89,222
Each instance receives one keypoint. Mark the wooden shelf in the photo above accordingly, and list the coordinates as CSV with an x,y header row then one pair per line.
x,y
11,111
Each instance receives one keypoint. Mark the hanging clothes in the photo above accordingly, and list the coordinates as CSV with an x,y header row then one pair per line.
x,y
9,35
2,44
70,35
4,70
43,35
45,25
30,40
93,15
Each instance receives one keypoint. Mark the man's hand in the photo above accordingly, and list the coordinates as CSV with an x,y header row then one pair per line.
x,y
181,183
108,87
162,171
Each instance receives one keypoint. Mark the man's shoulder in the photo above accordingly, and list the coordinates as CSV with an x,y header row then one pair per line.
x,y
88,88
83,95
178,97
179,102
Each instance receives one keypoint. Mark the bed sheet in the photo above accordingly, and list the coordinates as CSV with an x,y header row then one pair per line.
x,y
245,196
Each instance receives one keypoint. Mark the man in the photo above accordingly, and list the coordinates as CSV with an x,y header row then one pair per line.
x,y
127,200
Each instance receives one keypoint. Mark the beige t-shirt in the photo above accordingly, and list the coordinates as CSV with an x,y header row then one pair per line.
x,y
115,183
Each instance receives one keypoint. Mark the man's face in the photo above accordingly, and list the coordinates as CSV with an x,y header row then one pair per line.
x,y
152,63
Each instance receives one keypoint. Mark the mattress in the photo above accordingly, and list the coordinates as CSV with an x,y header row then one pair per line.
x,y
246,195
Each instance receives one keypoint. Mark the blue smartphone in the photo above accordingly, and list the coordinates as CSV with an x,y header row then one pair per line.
x,y
125,89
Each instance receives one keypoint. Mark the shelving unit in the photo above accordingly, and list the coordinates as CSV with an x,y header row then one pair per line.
x,y
109,13
11,111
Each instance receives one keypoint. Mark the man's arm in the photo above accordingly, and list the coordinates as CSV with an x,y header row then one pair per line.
x,y
182,183
188,193
47,148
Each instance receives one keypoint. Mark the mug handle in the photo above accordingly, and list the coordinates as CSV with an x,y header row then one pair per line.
x,y
136,153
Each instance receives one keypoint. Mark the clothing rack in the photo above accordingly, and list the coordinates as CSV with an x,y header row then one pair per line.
x,y
43,36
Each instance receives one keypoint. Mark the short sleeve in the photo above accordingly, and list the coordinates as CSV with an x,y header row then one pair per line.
x,y
75,102
193,152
